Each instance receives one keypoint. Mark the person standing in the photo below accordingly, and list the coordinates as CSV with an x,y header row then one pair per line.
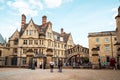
x,y
51,65
40,64
60,65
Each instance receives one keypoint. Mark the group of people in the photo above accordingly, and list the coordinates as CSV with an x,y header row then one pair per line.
x,y
60,64
112,63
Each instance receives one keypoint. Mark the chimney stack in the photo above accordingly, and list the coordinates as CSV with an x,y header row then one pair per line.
x,y
44,20
62,32
23,21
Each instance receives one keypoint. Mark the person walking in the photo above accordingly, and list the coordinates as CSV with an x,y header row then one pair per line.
x,y
60,65
112,63
51,65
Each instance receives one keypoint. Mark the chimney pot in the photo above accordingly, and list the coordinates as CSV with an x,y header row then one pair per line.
x,y
44,20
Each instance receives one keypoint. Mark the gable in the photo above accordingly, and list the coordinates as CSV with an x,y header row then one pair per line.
x,y
15,35
30,31
49,32
70,40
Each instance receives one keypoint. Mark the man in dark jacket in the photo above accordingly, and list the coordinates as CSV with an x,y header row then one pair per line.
x,y
60,64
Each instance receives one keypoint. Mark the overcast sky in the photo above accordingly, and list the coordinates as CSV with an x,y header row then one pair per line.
x,y
78,17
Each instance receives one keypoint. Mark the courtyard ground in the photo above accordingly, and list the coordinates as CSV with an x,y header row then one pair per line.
x,y
67,74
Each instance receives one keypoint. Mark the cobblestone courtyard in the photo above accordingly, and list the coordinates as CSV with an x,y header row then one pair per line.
x,y
67,74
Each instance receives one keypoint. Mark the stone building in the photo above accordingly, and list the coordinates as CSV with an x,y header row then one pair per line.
x,y
104,42
38,43
118,36
3,51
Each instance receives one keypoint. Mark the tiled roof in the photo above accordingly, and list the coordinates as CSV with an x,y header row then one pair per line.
x,y
1,39
42,30
65,36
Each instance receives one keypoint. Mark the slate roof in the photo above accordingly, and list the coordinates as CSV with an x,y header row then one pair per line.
x,y
1,39
42,30
65,37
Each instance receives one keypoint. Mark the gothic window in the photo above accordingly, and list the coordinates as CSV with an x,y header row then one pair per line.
x,y
16,42
24,60
14,50
42,42
36,42
24,51
50,35
31,32
35,51
26,32
35,32
30,42
25,42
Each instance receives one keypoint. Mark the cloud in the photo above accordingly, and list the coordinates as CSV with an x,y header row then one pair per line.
x,y
2,7
1,1
66,1
114,10
28,8
36,3
53,3
32,7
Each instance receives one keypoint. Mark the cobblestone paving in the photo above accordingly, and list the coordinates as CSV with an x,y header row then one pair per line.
x,y
67,74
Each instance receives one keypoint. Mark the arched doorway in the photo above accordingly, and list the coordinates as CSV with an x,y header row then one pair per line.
x,y
14,61
74,59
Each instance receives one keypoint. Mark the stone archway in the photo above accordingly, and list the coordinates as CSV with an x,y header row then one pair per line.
x,y
73,58
29,57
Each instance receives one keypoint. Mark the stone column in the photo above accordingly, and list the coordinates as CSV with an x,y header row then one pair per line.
x,y
95,58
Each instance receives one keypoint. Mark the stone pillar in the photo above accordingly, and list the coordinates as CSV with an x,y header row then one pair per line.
x,y
95,59
49,58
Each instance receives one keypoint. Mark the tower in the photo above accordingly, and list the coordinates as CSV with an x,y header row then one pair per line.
x,y
118,37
